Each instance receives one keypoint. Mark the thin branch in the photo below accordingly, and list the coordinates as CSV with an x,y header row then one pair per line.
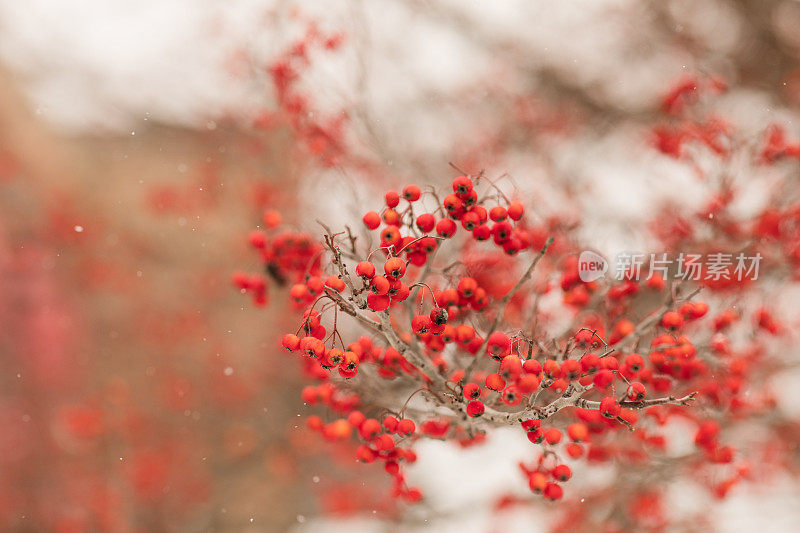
x,y
654,317
644,404
504,302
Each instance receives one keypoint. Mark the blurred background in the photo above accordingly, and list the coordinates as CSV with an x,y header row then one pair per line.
x,y
140,142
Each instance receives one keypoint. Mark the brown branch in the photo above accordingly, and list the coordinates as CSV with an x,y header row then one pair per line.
x,y
504,302
668,400
417,359
654,317
343,274
351,310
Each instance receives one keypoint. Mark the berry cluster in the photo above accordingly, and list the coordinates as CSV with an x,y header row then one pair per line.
x,y
286,255
544,479
380,439
463,205
417,323
437,336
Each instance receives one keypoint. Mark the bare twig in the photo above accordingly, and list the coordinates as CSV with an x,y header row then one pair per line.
x,y
504,302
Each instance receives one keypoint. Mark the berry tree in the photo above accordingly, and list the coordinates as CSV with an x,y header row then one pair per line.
x,y
461,309
454,342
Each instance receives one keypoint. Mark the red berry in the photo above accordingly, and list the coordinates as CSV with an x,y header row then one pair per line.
x,y
312,346
365,269
392,199
391,467
394,267
552,436
465,333
536,435
475,408
413,495
291,342
271,219
390,236
380,285
439,316
411,193
314,423
501,232
551,369
537,481
634,361
348,368
570,370
590,363
699,310
365,454
603,379
469,199
257,239
574,450
406,426
471,391
453,205
498,344
399,291
482,233
378,302
421,324
672,320
241,280
562,472
462,185
390,424
426,223
498,214
530,425
495,382
636,392
532,366
609,407
332,358
391,217
656,282
511,367
446,228
511,395
578,431
553,491
470,221
467,287
528,383
356,418
515,210
481,212
372,220
335,283
369,429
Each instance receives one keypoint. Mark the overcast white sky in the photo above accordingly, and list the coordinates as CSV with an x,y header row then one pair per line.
x,y
90,63
105,65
